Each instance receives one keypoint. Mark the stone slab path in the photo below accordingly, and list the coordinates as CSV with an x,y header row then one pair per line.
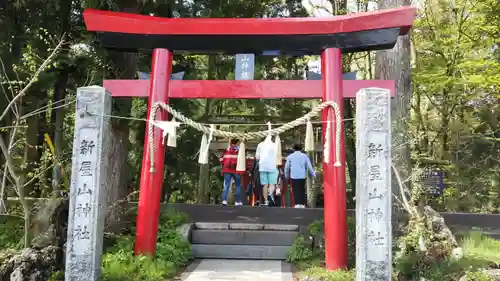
x,y
237,270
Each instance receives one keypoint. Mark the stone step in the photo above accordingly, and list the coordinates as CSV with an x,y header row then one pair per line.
x,y
245,226
240,252
244,237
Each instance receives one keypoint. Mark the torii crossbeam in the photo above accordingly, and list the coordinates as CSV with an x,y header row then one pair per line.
x,y
329,37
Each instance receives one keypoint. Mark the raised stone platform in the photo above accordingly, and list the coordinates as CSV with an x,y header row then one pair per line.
x,y
258,215
292,216
458,222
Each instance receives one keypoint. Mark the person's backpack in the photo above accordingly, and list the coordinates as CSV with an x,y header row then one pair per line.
x,y
230,163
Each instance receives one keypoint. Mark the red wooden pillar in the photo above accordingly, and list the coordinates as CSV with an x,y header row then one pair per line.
x,y
334,177
151,182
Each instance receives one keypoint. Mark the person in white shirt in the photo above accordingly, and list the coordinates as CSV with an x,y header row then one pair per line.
x,y
266,155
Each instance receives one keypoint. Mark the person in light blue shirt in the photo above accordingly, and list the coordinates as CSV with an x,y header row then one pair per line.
x,y
297,166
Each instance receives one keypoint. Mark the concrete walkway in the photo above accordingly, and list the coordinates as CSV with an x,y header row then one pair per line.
x,y
237,270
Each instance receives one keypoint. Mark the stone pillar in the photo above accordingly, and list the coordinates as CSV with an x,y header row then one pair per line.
x,y
87,211
373,185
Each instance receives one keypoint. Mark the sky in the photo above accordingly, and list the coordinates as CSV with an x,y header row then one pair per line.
x,y
312,7
310,4
351,7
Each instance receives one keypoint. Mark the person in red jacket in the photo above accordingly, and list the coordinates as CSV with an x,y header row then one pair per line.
x,y
229,161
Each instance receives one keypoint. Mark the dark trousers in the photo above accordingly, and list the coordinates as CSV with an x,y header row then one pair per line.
x,y
227,185
257,191
299,191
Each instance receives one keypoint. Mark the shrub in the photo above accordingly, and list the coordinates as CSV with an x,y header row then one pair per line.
x,y
57,276
319,273
479,252
300,251
303,251
11,232
482,248
479,276
172,247
172,253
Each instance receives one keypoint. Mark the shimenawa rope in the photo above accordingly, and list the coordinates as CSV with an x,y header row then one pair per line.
x,y
249,135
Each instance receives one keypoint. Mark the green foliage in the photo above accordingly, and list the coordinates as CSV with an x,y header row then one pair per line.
x,y
455,109
315,227
324,275
480,247
305,252
171,246
172,219
11,232
413,269
6,254
301,250
479,276
57,276
479,252
35,28
351,241
124,266
320,273
172,253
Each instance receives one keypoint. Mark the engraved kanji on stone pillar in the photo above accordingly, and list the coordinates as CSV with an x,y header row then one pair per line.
x,y
87,192
373,185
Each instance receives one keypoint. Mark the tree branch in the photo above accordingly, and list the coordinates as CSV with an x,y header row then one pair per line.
x,y
33,78
8,161
15,109
3,207
411,210
38,175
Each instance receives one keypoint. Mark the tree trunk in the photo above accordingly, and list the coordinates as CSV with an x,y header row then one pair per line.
x,y
204,175
395,65
165,10
423,142
494,186
445,138
117,170
350,142
32,153
58,114
350,137
203,184
57,119
16,34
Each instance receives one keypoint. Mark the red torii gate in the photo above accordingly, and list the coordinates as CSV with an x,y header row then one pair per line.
x,y
331,36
